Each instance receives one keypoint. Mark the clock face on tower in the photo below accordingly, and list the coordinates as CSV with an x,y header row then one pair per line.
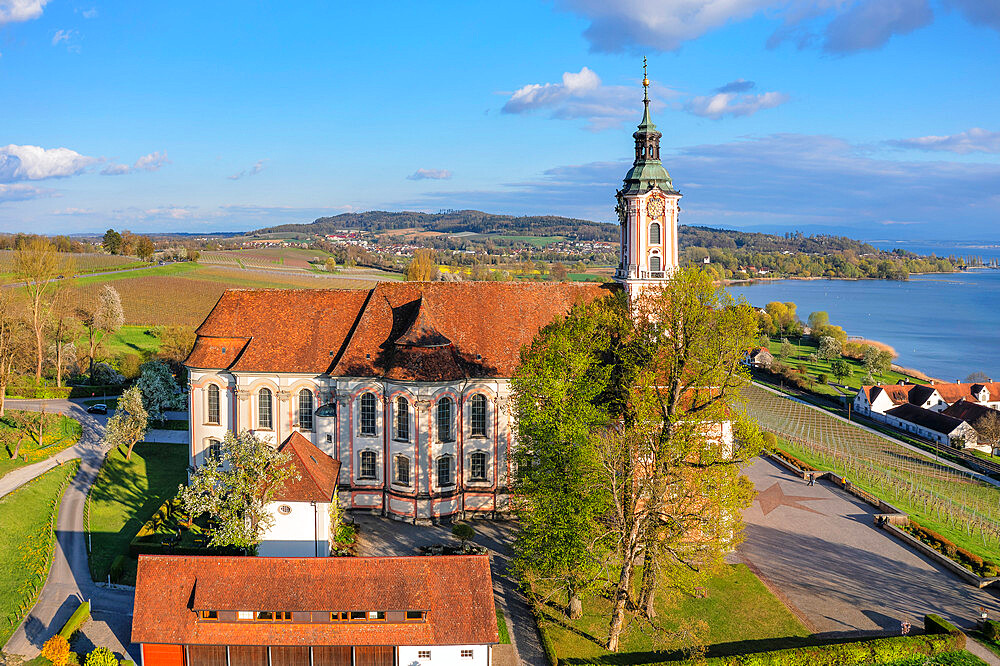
x,y
654,208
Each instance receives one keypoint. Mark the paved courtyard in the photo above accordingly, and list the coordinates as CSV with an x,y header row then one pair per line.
x,y
818,547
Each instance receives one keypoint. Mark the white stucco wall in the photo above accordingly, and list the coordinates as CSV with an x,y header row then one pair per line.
x,y
304,532
444,654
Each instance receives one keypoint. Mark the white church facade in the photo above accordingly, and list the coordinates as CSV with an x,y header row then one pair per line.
x,y
406,385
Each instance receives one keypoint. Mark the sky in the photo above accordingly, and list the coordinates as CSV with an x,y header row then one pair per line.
x,y
871,118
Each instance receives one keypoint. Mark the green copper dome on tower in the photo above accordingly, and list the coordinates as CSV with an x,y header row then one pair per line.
x,y
647,171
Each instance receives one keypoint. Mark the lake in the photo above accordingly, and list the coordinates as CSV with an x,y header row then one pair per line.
x,y
946,325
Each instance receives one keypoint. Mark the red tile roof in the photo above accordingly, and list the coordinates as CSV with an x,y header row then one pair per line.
x,y
456,591
318,472
351,333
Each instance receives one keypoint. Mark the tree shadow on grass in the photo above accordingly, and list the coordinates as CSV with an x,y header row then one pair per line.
x,y
556,615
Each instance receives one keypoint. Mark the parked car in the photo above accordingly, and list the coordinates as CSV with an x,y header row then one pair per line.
x,y
99,408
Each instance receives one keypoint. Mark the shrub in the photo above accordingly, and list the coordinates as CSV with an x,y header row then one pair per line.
x,y
822,378
76,620
101,656
117,568
770,441
56,650
463,531
991,630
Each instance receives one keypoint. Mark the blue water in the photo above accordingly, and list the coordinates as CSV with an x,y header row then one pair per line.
x,y
944,325
986,251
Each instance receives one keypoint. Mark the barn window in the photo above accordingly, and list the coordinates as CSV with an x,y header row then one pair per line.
x,y
210,615
305,409
414,616
479,415
467,654
265,419
477,466
423,654
402,433
368,465
213,404
368,414
445,411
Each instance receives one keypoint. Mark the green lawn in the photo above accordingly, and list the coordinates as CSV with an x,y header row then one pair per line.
x,y
730,596
178,268
27,515
537,241
60,433
125,496
803,349
128,339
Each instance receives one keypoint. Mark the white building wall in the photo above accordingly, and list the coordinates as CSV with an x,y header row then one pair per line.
x,y
441,655
303,532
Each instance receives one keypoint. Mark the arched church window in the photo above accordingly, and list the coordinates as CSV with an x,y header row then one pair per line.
x,y
654,264
265,418
213,404
305,409
479,415
367,415
445,409
367,465
402,433
477,466
654,233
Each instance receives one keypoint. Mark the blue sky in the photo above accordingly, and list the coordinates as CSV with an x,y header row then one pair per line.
x,y
875,118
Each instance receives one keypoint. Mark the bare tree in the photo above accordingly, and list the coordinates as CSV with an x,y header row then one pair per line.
x,y
38,266
105,317
64,327
977,376
12,342
988,429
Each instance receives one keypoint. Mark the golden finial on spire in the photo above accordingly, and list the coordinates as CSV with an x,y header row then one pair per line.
x,y
645,79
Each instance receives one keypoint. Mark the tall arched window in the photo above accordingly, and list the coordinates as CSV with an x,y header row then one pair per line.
x,y
213,450
477,466
367,419
654,233
368,465
213,404
445,416
265,416
654,263
306,409
402,433
402,470
478,420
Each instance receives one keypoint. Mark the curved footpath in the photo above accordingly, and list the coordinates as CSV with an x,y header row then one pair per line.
x,y
69,583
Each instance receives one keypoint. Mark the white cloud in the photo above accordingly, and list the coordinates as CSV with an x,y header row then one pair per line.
x,y
660,25
13,11
74,211
734,99
252,171
36,163
430,174
975,140
985,12
23,192
62,36
579,95
89,13
150,162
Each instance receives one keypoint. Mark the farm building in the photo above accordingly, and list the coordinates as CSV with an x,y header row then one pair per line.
x,y
929,424
335,611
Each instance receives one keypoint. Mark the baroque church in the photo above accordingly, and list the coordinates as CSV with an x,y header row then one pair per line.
x,y
395,400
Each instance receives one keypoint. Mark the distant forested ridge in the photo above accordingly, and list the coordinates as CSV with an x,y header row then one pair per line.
x,y
458,221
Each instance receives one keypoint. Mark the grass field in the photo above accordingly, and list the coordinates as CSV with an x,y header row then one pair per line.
x,y
537,241
184,293
728,598
130,338
806,348
126,494
78,263
27,516
946,500
60,432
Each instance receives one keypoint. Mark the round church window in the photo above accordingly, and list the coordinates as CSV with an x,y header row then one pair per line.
x,y
284,509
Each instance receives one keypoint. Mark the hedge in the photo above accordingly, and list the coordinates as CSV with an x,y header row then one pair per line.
x,y
64,392
943,545
76,620
991,630
546,640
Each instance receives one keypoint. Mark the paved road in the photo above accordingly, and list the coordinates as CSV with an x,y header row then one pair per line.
x,y
69,578
383,536
818,548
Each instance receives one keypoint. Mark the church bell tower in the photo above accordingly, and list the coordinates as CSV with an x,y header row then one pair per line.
x,y
647,211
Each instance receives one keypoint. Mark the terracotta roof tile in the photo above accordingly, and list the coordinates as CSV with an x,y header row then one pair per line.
x,y
357,332
318,472
456,592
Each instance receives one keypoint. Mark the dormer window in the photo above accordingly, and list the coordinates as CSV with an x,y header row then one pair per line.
x,y
414,616
209,615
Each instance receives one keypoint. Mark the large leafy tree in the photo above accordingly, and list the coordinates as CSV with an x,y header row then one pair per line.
x,y
235,488
127,426
159,389
656,426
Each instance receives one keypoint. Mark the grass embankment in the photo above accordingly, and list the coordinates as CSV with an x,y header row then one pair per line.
x,y
59,433
805,348
129,339
125,495
956,535
28,516
727,599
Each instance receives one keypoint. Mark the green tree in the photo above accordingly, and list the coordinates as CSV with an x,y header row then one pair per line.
x,y
101,656
841,369
786,349
877,361
236,487
159,389
144,248
112,242
463,532
423,268
128,424
650,387
817,320
330,264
